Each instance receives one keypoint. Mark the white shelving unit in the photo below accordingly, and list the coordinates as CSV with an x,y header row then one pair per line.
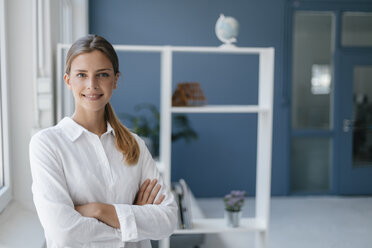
x,y
264,110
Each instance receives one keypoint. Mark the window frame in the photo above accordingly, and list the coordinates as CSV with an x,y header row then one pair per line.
x,y
5,188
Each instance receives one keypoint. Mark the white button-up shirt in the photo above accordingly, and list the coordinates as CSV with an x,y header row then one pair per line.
x,y
72,166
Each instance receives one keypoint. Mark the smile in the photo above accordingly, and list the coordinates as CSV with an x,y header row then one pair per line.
x,y
92,97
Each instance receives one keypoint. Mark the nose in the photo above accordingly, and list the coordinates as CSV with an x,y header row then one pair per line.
x,y
93,83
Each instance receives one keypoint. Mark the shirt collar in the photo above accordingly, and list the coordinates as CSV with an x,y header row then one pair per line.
x,y
73,130
110,129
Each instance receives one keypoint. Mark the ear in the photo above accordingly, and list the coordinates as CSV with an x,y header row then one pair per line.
x,y
116,80
66,78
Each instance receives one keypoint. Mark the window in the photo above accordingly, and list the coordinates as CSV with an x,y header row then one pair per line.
x,y
312,65
4,159
356,29
1,128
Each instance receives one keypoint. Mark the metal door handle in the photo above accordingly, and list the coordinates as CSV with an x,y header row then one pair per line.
x,y
348,124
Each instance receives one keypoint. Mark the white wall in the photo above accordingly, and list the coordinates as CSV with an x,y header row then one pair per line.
x,y
20,21
16,220
20,76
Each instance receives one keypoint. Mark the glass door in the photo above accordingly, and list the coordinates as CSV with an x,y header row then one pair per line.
x,y
356,120
355,104
312,102
331,99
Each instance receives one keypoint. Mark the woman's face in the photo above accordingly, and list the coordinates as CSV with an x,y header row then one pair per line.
x,y
92,81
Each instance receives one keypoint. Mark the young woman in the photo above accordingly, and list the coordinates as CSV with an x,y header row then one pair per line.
x,y
95,183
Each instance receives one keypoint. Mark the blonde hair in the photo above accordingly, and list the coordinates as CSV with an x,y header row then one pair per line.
x,y
125,141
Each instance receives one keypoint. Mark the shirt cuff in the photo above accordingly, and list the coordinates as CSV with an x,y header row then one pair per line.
x,y
128,226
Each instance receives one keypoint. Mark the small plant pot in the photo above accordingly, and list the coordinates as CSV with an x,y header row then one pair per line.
x,y
233,218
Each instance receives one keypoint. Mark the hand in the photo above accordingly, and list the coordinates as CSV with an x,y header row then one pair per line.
x,y
148,193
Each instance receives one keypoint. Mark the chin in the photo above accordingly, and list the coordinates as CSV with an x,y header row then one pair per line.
x,y
93,107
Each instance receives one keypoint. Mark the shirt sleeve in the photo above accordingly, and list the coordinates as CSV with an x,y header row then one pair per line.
x,y
148,221
55,208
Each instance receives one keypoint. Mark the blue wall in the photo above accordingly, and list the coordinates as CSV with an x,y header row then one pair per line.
x,y
224,156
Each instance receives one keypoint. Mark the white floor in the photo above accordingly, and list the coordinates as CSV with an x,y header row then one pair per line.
x,y
295,222
302,222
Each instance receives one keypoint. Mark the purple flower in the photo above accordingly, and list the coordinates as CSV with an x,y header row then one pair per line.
x,y
235,200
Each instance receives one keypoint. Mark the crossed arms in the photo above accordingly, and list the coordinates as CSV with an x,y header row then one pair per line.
x,y
107,213
70,225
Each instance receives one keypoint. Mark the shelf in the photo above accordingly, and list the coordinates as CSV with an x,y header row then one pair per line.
x,y
220,109
233,49
219,226
188,49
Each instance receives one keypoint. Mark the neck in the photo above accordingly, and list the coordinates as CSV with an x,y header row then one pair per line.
x,y
92,121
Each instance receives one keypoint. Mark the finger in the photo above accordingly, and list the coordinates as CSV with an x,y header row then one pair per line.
x,y
153,195
149,189
160,200
142,189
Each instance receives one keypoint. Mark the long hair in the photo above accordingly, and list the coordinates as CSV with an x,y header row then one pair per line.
x,y
125,141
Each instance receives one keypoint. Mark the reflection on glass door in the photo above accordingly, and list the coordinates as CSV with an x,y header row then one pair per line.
x,y
362,116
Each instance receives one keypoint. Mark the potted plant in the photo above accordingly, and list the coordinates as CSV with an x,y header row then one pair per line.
x,y
147,125
233,205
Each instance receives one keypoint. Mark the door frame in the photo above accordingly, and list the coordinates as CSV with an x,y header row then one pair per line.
x,y
349,58
337,7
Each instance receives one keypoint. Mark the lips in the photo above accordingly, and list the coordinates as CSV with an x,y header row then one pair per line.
x,y
92,97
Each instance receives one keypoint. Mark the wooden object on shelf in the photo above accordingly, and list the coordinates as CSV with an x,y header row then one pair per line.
x,y
188,94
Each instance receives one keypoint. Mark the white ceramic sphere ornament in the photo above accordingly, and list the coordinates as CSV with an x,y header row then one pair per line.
x,y
227,29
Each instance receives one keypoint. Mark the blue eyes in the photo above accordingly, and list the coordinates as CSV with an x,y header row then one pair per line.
x,y
100,75
103,74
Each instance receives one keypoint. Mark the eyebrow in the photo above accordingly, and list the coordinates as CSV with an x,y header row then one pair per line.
x,y
99,70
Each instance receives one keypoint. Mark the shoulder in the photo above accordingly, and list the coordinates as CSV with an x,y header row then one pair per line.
x,y
45,136
141,144
42,146
145,154
137,138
